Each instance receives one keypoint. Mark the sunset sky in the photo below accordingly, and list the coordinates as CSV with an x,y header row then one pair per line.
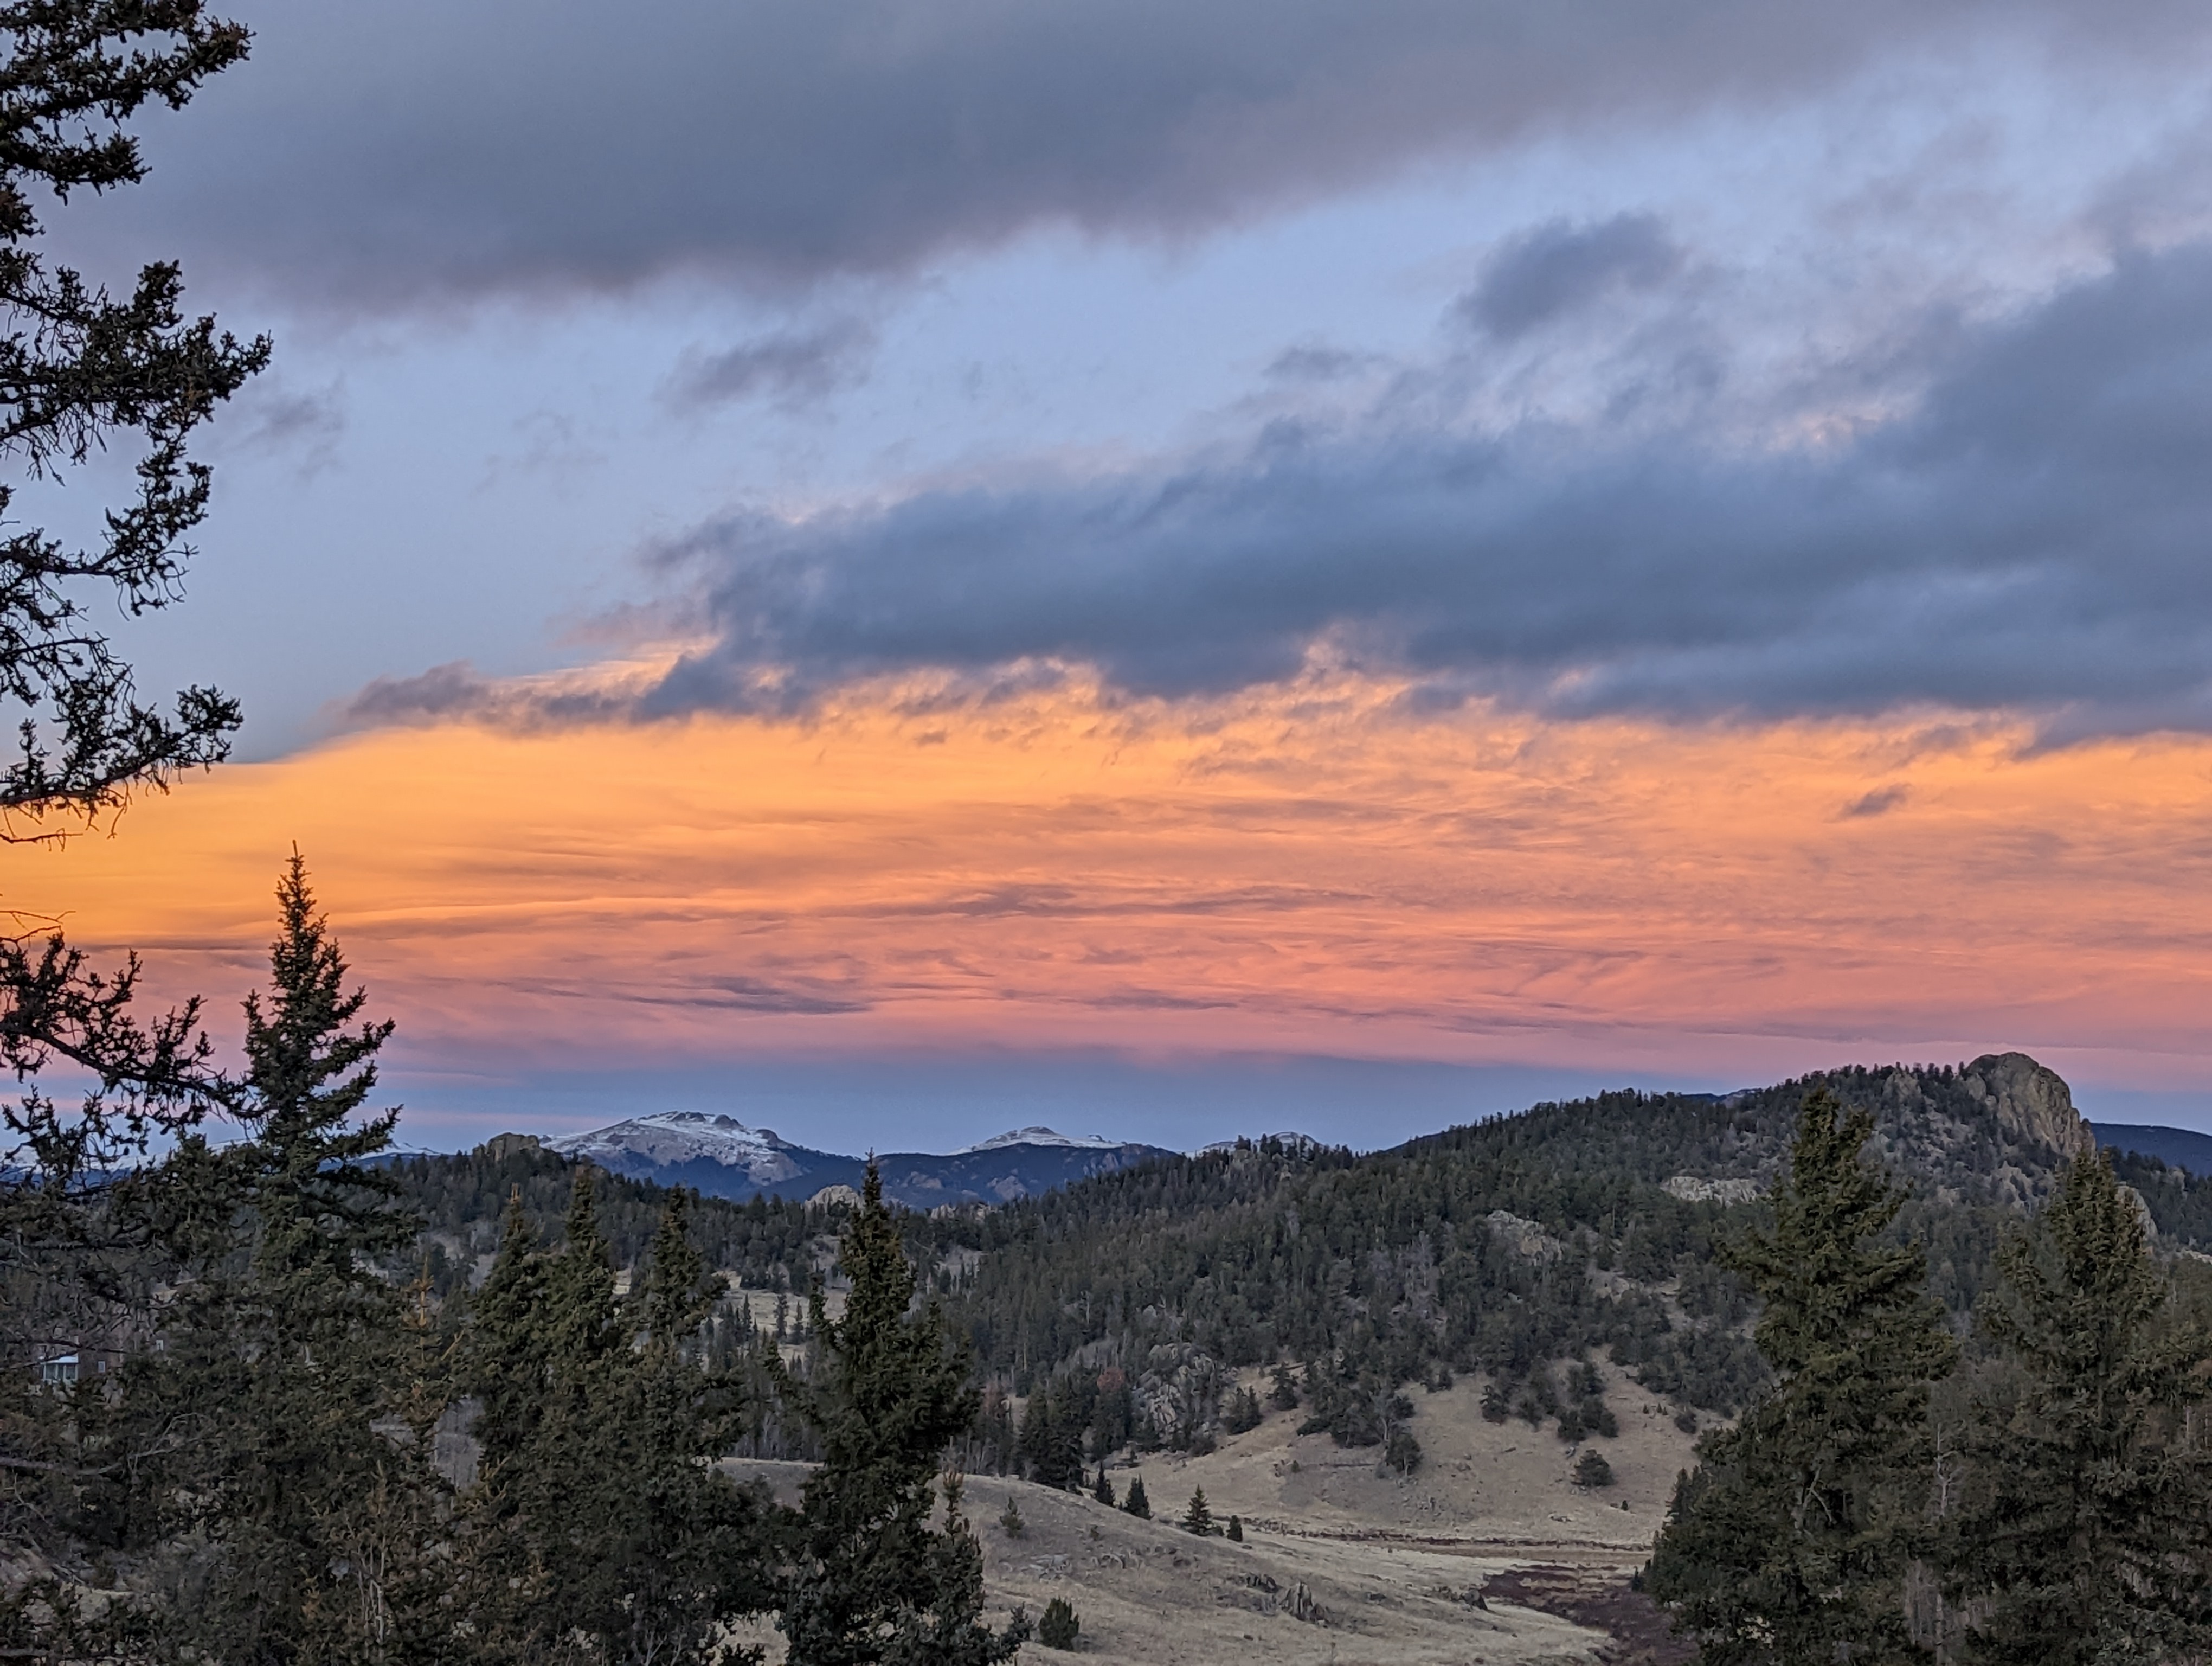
x,y
897,569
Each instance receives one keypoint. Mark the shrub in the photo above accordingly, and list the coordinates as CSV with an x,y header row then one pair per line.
x,y
1236,1529
1497,1402
1059,1627
1245,1414
1592,1470
1403,1455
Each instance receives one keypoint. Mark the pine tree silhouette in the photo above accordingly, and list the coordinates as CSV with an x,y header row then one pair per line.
x,y
1791,1539
2088,1543
1198,1518
891,1391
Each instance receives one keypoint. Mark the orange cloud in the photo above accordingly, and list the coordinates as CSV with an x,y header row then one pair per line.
x,y
1314,870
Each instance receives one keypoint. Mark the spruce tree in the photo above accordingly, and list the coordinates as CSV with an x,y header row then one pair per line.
x,y
509,1367
599,1513
1284,1395
1197,1518
309,1483
2088,1537
1790,1541
1103,1491
1592,1470
1136,1503
870,1582
542,1361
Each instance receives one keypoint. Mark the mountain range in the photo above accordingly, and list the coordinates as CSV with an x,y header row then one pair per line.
x,y
1583,1231
717,1156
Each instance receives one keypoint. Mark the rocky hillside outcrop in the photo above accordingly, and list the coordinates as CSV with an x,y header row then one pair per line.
x,y
1993,1131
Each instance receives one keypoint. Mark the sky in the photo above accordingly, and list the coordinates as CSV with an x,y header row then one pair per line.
x,y
898,570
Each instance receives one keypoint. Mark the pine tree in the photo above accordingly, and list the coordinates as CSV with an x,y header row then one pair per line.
x,y
1197,1518
2089,1540
542,1360
599,1513
1592,1470
1010,1519
1103,1491
1052,1438
311,1486
1039,1439
1136,1503
872,1582
510,1367
1284,1396
1790,1541
947,1631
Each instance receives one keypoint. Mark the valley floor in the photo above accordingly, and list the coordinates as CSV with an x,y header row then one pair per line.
x,y
1488,1554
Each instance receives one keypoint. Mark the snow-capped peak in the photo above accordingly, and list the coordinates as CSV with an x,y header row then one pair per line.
x,y
1040,1136
670,1137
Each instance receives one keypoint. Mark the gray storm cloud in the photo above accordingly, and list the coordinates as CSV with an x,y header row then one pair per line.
x,y
2036,534
1559,268
385,155
791,367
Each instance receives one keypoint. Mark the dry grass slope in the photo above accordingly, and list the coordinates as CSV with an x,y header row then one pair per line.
x,y
1382,1571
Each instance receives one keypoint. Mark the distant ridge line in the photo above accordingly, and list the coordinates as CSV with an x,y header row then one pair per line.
x,y
2178,1148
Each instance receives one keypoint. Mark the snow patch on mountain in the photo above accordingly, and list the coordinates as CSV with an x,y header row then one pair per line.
x,y
669,1138
1040,1136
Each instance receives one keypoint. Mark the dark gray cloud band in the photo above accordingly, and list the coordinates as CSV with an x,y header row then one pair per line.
x,y
791,367
382,155
1561,267
2035,535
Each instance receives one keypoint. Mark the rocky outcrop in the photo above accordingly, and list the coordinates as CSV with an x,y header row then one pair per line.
x,y
1691,1190
1524,1237
2033,1102
1180,1392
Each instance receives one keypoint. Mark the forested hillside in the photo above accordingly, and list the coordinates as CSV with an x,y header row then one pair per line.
x,y
766,1244
1515,1247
